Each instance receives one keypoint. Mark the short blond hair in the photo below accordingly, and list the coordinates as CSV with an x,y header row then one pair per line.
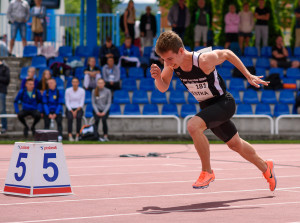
x,y
168,41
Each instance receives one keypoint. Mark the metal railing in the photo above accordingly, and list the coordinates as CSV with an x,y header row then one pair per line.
x,y
65,30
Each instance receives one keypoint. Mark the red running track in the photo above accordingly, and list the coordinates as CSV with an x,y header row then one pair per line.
x,y
108,188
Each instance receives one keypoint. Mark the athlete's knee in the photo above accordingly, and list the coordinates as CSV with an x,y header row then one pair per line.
x,y
195,126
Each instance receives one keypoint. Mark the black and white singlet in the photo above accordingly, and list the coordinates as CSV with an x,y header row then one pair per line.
x,y
202,86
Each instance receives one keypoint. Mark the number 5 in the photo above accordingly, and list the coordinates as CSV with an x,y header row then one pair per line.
x,y
47,164
21,164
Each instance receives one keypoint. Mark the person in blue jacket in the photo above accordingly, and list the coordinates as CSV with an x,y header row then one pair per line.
x,y
53,101
30,98
130,54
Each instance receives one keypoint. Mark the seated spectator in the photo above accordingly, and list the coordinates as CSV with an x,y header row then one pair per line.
x,y
156,59
74,100
101,100
296,108
111,75
108,50
43,84
130,54
280,56
30,98
4,52
232,21
91,74
4,82
53,101
30,75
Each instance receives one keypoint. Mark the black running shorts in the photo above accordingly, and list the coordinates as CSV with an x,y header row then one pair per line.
x,y
217,113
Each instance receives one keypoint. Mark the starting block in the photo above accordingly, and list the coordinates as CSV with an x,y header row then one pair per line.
x,y
38,169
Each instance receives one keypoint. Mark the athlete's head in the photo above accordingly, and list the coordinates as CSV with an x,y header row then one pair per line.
x,y
169,47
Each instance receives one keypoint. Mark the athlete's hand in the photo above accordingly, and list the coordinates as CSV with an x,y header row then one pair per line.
x,y
256,81
155,71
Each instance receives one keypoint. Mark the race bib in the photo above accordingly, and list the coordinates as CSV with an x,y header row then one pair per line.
x,y
200,91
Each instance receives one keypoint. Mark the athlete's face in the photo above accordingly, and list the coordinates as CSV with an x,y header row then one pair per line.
x,y
173,59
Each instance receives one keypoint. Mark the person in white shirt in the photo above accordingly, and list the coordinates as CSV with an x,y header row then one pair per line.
x,y
74,99
246,26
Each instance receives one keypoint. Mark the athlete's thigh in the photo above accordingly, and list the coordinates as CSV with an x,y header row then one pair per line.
x,y
226,131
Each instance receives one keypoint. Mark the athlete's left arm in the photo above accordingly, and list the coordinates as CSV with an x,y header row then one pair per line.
x,y
209,60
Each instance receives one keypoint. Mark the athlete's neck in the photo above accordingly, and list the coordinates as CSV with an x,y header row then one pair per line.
x,y
187,62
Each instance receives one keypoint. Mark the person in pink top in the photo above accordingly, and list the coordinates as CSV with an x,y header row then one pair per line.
x,y
232,21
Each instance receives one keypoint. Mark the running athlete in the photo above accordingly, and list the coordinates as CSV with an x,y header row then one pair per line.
x,y
197,71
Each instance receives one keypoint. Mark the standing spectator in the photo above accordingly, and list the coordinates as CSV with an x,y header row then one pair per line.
x,y
280,56
130,54
74,100
43,84
101,101
4,82
297,14
232,21
108,50
262,15
202,20
3,46
53,101
30,99
30,75
111,75
17,15
129,20
246,26
38,13
91,74
179,18
148,27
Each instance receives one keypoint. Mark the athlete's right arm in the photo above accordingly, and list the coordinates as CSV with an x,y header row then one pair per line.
x,y
162,78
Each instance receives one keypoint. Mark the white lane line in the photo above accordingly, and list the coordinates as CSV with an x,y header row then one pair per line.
x,y
145,196
139,165
181,181
167,211
295,191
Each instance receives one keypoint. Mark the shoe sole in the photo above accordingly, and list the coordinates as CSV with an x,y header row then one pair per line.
x,y
203,187
273,172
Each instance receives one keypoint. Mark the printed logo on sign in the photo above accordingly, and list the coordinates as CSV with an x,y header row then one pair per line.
x,y
49,147
23,147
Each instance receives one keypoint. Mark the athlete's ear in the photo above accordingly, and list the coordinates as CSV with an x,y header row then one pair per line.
x,y
181,50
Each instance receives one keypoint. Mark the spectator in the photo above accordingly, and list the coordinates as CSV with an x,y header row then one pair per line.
x,y
262,15
297,104
4,82
246,26
232,21
129,20
280,56
109,50
156,59
3,46
202,21
130,54
111,75
91,74
17,15
148,27
101,100
179,18
53,105
30,75
297,14
74,100
30,99
43,84
38,14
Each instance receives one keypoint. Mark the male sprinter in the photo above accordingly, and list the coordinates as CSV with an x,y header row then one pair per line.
x,y
198,73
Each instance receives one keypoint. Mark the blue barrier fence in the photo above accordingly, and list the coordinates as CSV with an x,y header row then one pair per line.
x,y
65,30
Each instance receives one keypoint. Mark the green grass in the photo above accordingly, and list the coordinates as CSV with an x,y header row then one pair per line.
x,y
5,142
